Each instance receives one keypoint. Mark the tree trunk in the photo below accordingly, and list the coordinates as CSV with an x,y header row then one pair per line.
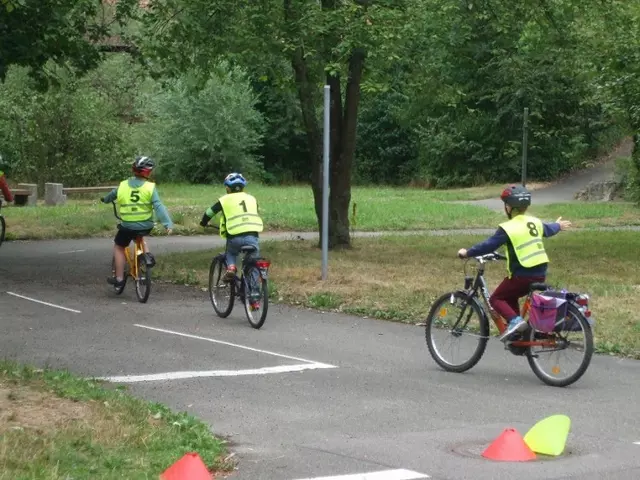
x,y
343,144
307,97
342,140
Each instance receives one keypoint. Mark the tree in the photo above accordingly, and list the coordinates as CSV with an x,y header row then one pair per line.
x,y
67,32
327,41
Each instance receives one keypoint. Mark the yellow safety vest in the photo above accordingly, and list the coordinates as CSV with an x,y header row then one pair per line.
x,y
525,233
239,214
135,203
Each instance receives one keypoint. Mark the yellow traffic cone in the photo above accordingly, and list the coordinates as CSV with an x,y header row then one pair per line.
x,y
549,435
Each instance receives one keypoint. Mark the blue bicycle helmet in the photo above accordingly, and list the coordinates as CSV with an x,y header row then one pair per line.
x,y
235,181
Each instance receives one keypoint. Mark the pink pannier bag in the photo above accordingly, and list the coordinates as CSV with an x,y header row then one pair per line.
x,y
547,309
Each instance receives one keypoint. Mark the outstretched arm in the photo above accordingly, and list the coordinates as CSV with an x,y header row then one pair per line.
x,y
489,245
210,213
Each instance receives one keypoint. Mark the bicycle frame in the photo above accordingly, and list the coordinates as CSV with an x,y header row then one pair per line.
x,y
477,287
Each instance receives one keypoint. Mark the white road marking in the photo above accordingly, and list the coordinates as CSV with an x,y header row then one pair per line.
x,y
71,251
636,443
214,373
381,475
235,345
45,303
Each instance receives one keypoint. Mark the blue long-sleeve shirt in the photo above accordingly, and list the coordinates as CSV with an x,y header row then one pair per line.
x,y
501,238
160,209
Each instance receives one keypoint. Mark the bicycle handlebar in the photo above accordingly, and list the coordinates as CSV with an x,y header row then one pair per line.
x,y
115,211
489,257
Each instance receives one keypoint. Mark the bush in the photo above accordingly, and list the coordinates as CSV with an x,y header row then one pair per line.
x,y
200,131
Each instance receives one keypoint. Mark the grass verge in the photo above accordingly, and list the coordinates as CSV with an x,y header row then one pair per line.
x,y
283,208
54,425
397,278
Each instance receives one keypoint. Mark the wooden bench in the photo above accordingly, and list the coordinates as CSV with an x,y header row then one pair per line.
x,y
25,194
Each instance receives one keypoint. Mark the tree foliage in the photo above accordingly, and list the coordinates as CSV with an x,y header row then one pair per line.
x,y
66,32
200,133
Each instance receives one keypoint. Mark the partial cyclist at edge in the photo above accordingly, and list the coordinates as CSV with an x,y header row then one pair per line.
x,y
137,198
527,259
240,223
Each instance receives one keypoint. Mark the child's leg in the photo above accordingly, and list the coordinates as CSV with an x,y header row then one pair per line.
x,y
118,255
231,255
505,298
120,242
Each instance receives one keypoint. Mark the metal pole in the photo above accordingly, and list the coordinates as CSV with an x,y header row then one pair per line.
x,y
525,138
325,184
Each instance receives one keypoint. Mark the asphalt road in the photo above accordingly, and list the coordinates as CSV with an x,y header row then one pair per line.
x,y
311,394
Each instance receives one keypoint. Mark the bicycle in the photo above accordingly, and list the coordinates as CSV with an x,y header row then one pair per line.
x,y
253,278
576,318
3,225
139,270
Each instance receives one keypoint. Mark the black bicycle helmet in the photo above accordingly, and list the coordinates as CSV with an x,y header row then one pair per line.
x,y
516,196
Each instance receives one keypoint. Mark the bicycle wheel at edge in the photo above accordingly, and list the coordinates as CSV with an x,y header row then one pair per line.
x,y
143,282
256,318
537,368
216,272
443,304
3,228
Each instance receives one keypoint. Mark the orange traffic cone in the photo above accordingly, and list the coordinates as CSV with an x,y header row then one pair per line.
x,y
509,447
189,467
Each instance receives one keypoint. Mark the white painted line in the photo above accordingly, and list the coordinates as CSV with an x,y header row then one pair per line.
x,y
45,303
71,251
636,443
214,373
382,475
234,345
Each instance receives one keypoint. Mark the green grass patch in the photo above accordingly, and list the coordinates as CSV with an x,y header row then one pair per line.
x,y
283,209
291,209
397,278
591,214
54,425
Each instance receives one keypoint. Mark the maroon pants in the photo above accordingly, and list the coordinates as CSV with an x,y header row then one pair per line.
x,y
504,299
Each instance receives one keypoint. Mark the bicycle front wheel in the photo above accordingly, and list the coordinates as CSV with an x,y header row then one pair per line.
x,y
455,318
256,296
143,282
3,228
569,354
221,293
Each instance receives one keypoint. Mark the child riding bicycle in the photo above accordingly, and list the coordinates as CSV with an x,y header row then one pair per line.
x,y
240,222
527,259
137,198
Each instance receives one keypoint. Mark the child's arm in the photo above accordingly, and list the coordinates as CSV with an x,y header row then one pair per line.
x,y
210,213
489,245
161,210
551,229
111,196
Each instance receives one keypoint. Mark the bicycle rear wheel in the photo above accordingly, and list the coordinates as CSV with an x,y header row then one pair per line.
x,y
143,280
3,227
456,316
221,293
256,296
577,339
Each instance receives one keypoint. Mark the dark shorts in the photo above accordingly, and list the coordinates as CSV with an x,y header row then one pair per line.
x,y
125,236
